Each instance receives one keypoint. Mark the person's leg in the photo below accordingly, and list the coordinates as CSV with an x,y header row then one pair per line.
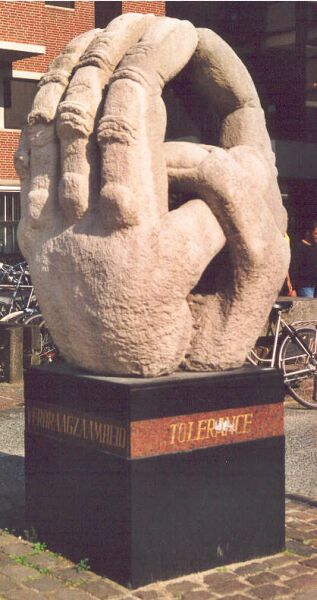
x,y
306,292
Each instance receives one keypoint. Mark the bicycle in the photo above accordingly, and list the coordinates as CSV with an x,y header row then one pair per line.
x,y
16,290
18,304
293,349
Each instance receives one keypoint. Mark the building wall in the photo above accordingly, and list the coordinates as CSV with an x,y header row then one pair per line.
x,y
158,8
9,140
39,24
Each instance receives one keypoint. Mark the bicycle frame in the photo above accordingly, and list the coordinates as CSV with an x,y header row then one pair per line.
x,y
281,326
269,362
18,277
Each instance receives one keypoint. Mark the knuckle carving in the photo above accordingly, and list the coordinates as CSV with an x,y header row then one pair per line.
x,y
73,117
116,129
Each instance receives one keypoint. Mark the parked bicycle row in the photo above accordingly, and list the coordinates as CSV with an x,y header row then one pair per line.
x,y
289,347
18,304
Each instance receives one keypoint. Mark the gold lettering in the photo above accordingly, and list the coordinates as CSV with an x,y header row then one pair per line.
x,y
248,418
173,426
182,432
58,422
221,427
202,430
98,431
239,418
108,434
75,426
246,421
231,424
83,428
211,428
190,429
117,445
123,437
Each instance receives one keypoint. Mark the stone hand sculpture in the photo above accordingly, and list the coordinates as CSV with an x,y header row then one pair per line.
x,y
113,268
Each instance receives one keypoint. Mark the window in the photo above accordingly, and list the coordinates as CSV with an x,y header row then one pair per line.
x,y
18,99
280,17
61,4
10,213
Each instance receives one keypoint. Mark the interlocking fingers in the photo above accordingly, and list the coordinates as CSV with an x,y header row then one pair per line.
x,y
95,224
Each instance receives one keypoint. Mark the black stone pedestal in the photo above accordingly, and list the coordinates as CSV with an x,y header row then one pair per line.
x,y
155,478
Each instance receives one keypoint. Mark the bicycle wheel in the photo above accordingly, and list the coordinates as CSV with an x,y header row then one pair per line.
x,y
299,369
48,350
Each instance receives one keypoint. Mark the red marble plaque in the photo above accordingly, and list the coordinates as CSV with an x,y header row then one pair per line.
x,y
152,437
202,430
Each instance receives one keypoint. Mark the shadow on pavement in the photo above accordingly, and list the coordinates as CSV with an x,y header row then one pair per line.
x,y
12,493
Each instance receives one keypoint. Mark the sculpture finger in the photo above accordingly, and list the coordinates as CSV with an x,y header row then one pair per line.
x,y
53,84
38,151
22,166
231,183
131,132
228,86
219,74
77,112
191,237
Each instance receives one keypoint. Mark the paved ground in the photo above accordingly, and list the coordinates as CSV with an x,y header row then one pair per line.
x,y
301,450
29,571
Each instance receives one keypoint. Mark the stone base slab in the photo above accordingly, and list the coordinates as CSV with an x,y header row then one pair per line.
x,y
151,479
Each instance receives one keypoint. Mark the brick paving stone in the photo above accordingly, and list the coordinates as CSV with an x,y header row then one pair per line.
x,y
265,577
248,569
296,534
310,595
147,595
72,594
198,595
306,526
229,587
270,590
310,562
302,582
45,583
280,561
312,532
238,597
11,395
22,594
6,539
308,516
181,586
299,548
102,589
18,548
17,572
215,578
4,559
6,584
293,570
72,575
45,561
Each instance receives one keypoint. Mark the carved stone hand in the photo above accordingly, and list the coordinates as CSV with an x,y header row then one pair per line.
x,y
112,266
